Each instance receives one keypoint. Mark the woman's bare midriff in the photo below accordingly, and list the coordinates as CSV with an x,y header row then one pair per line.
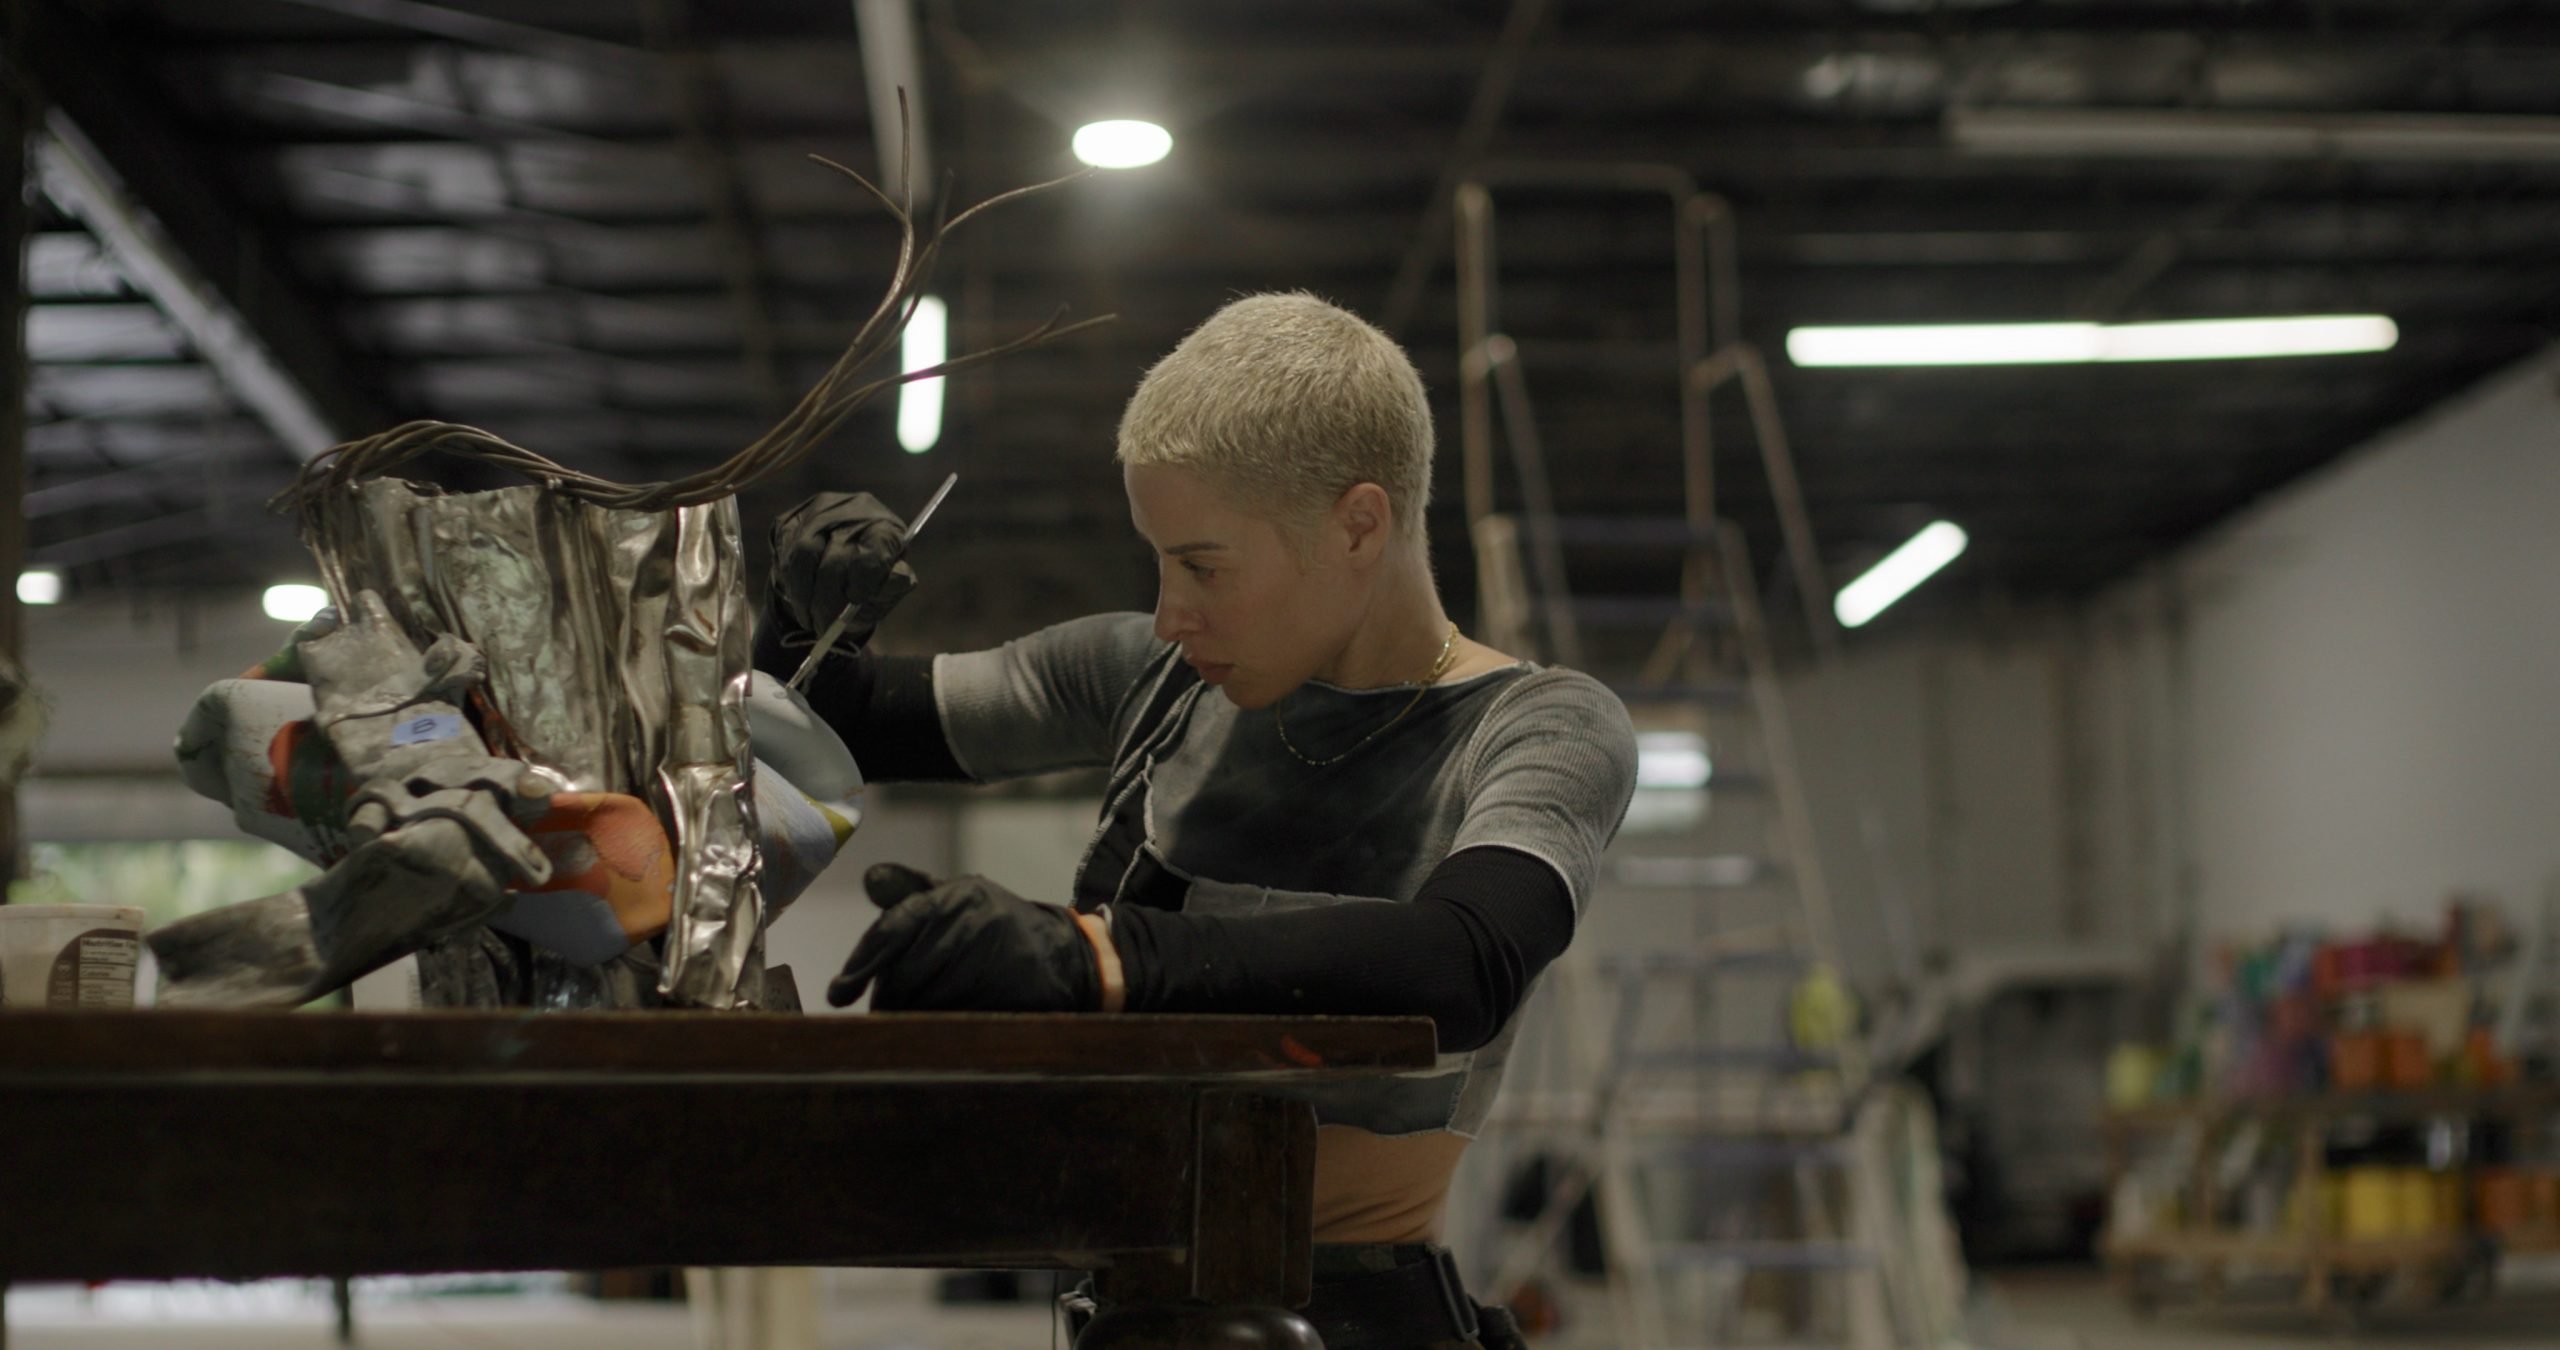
x,y
1380,1188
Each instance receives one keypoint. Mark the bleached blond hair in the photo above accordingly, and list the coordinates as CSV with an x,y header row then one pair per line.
x,y
1285,402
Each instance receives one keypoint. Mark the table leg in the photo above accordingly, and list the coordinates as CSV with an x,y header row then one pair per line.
x,y
1257,1199
1251,1258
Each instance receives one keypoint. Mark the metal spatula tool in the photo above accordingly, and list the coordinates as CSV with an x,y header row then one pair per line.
x,y
827,639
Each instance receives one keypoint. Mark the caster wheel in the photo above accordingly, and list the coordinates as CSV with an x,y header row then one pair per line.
x,y
1197,1328
2142,1292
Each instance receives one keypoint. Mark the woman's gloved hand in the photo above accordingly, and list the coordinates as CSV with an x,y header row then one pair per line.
x,y
967,943
837,548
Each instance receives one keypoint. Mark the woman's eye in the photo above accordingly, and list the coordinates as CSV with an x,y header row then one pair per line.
x,y
1196,569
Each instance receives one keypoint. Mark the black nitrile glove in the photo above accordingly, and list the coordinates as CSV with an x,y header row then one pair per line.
x,y
966,944
836,548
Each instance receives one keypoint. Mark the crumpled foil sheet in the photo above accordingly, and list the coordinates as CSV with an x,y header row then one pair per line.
x,y
617,661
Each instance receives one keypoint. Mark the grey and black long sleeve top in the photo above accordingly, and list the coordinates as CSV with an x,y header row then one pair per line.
x,y
1436,871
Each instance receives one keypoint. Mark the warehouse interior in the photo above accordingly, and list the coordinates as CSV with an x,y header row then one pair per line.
x,y
2173,857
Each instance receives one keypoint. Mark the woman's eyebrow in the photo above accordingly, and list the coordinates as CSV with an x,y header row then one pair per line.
x,y
1197,546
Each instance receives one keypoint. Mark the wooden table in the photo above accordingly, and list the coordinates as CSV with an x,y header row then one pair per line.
x,y
235,1145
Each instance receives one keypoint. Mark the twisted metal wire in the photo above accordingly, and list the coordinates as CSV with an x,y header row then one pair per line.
x,y
835,396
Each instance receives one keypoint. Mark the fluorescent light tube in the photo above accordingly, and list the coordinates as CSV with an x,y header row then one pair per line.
x,y
1916,561
1671,759
40,586
293,602
2029,344
1122,144
2245,339
920,401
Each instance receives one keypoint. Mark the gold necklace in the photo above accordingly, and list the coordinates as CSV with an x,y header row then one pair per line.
x,y
1448,648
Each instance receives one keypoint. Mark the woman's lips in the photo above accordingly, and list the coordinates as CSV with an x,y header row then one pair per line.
x,y
1211,672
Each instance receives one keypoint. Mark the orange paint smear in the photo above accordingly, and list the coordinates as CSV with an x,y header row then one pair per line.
x,y
278,800
628,860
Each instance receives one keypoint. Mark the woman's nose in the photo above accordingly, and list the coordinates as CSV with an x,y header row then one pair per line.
x,y
1173,622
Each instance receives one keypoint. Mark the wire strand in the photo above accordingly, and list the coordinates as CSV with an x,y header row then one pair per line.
x,y
835,397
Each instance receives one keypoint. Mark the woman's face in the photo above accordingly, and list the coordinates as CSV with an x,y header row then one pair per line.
x,y
1251,614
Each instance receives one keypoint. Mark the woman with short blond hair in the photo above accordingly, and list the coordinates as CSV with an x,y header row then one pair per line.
x,y
1323,798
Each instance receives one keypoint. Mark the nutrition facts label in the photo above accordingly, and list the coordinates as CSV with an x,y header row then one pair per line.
x,y
95,971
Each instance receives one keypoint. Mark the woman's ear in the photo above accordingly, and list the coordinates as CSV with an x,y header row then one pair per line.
x,y
1366,519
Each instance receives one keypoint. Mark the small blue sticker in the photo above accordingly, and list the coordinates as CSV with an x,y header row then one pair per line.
x,y
432,727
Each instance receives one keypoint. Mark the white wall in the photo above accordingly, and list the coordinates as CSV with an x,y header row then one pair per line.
x,y
2336,708
1953,804
2368,665
120,679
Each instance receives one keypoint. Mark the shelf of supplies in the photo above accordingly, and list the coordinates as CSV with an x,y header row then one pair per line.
x,y
2223,1247
2500,1101
2339,1275
2529,1242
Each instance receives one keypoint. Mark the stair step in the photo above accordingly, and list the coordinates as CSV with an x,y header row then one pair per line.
x,y
1718,693
1767,1255
1835,1343
1631,531
1730,782
1774,959
1722,871
1776,1058
1638,610
1738,1154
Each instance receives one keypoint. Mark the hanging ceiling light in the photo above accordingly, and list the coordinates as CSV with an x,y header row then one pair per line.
x,y
1672,759
1122,144
1916,561
294,602
40,586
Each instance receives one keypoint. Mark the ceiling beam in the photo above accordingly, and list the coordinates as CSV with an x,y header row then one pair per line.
x,y
479,30
118,486
81,180
2257,137
1359,53
1475,136
703,135
115,156
709,146
1798,165
411,115
893,80
1905,229
115,542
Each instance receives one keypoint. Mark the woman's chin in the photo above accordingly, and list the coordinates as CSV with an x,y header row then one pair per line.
x,y
1247,695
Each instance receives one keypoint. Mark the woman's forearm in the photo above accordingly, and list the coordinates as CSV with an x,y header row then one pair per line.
x,y
1463,953
882,707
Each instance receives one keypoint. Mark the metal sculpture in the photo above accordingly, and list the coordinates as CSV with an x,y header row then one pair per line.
x,y
527,742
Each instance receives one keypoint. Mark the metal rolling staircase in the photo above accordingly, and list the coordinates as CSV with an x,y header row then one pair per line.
x,y
1717,1117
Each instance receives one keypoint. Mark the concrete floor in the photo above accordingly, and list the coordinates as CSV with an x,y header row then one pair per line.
x,y
2076,1310
873,1313
2040,1310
